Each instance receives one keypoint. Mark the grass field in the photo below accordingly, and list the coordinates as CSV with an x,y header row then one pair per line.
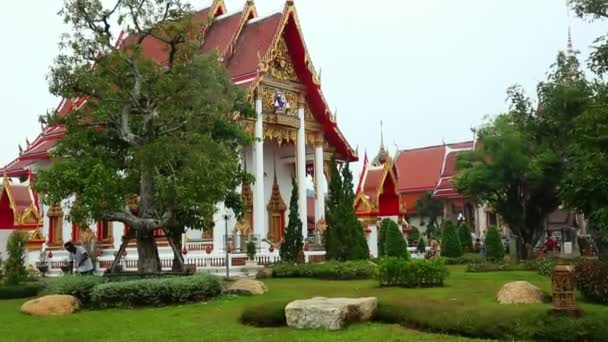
x,y
465,298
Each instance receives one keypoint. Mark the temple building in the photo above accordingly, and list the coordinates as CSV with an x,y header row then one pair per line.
x,y
389,187
297,134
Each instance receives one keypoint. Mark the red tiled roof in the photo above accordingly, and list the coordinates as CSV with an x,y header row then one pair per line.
x,y
372,181
220,33
253,42
419,169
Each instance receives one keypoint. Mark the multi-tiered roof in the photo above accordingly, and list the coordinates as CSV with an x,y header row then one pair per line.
x,y
247,44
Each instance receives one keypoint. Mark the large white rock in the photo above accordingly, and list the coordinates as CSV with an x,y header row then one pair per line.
x,y
329,313
520,292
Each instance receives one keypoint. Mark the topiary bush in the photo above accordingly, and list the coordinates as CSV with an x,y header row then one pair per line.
x,y
592,280
156,292
414,273
270,314
331,270
466,240
450,242
14,265
382,236
394,243
75,285
23,291
495,250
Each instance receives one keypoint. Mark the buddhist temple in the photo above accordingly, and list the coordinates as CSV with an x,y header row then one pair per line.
x,y
296,135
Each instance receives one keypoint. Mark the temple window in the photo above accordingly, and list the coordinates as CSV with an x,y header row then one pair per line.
x,y
492,220
55,227
276,213
75,232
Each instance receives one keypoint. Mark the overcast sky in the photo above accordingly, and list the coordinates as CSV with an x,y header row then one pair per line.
x,y
430,69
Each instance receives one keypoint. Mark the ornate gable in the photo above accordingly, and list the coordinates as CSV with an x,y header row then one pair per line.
x,y
281,67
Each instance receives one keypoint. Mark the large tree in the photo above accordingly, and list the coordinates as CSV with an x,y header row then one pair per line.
x,y
430,211
164,132
586,176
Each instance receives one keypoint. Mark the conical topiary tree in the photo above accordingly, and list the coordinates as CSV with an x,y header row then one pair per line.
x,y
495,251
292,244
394,243
450,242
344,238
14,265
464,233
382,236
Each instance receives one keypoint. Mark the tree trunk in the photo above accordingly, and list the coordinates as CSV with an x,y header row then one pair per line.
x,y
174,236
147,252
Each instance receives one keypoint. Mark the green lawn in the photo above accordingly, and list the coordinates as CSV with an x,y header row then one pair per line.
x,y
466,297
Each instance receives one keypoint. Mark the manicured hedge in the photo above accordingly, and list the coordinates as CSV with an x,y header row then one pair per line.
x,y
270,314
495,250
412,273
331,270
156,292
19,291
75,285
451,247
508,325
592,280
465,259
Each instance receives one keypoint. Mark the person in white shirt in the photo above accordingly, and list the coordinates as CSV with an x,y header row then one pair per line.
x,y
79,259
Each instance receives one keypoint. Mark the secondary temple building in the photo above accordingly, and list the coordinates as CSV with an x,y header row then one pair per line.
x,y
296,131
389,187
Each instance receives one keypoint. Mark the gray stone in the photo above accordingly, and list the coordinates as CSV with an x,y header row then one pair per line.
x,y
329,313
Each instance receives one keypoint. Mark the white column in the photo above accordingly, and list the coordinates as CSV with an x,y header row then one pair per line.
x,y
320,195
372,240
301,170
259,225
218,229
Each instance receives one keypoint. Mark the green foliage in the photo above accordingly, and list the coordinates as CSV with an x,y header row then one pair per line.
x,y
293,242
421,247
75,285
592,280
414,273
465,259
331,270
484,266
382,236
344,237
146,128
251,250
14,266
495,324
450,242
266,315
156,292
495,250
431,210
464,233
394,243
21,291
544,266
414,235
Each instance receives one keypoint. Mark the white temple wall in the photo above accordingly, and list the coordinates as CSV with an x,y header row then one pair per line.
x,y
372,240
284,157
4,233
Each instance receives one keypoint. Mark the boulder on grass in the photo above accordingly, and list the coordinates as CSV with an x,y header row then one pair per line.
x,y
520,292
246,287
329,313
51,305
263,273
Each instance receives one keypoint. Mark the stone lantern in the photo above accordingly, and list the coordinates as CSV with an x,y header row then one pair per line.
x,y
562,286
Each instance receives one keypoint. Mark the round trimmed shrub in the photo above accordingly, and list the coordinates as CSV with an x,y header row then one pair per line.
x,y
14,292
421,247
495,250
450,242
394,244
464,233
75,285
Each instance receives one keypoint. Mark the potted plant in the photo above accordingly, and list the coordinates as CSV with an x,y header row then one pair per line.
x,y
251,265
65,266
43,264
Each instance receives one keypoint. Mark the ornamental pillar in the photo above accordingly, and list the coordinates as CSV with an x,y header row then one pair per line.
x,y
301,170
258,161
319,186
